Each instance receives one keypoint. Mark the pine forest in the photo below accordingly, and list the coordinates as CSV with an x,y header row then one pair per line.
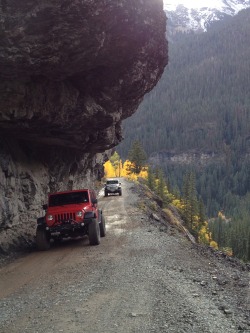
x,y
201,108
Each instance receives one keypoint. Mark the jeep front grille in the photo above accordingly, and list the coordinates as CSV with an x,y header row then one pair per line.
x,y
65,217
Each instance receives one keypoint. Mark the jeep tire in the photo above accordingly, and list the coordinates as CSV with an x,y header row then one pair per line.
x,y
120,193
94,232
42,239
102,226
106,194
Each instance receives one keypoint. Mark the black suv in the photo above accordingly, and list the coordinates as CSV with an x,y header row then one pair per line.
x,y
112,186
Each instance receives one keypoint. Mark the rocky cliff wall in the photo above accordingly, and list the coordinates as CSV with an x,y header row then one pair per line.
x,y
192,157
70,72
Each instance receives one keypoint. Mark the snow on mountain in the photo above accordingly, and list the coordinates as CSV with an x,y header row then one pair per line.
x,y
198,15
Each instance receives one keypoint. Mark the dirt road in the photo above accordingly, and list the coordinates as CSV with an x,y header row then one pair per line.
x,y
141,278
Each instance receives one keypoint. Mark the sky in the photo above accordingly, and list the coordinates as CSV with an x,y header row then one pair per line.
x,y
170,4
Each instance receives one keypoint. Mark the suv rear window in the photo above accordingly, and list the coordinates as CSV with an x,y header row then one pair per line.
x,y
68,198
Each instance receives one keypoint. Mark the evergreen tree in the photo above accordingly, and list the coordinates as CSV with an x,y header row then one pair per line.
x,y
190,201
220,238
161,185
137,157
151,179
201,211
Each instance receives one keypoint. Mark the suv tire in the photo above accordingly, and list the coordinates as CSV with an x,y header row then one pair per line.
x,y
94,232
102,226
42,239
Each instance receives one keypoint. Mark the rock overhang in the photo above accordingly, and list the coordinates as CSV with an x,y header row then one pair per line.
x,y
71,71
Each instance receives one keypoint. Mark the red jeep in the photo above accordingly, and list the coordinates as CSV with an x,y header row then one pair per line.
x,y
70,214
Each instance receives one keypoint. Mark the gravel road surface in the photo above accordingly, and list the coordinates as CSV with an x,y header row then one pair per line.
x,y
143,277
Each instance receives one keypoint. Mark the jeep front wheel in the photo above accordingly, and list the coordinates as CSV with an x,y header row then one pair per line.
x,y
42,239
94,232
102,226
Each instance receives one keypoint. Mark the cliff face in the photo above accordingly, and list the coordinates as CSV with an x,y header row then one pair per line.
x,y
192,157
70,72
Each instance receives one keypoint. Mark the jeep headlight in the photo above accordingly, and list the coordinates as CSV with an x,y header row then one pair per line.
x,y
49,217
79,214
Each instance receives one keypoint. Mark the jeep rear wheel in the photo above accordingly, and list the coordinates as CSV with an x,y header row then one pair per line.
x,y
102,226
42,239
94,232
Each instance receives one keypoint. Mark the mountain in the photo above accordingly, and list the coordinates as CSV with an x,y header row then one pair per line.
x,y
198,16
198,116
196,121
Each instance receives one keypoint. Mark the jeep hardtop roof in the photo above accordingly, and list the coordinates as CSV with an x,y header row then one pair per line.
x,y
69,197
69,191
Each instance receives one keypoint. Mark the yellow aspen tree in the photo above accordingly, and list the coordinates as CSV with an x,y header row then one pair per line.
x,y
109,170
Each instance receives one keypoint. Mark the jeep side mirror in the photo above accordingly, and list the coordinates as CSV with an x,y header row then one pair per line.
x,y
45,207
94,201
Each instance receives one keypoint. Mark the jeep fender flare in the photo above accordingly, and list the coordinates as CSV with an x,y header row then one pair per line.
x,y
88,217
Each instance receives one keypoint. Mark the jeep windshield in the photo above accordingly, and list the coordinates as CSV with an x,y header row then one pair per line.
x,y
68,198
112,182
